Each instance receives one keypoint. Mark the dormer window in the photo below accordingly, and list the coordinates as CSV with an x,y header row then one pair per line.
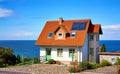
x,y
60,35
73,34
50,35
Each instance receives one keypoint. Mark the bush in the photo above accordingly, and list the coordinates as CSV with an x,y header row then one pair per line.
x,y
83,65
51,61
74,69
27,59
117,61
9,57
119,71
91,66
58,62
36,60
105,63
98,65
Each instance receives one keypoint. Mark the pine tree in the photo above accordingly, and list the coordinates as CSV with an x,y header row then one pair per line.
x,y
103,49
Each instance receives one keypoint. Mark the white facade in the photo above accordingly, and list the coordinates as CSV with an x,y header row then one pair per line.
x,y
111,58
54,56
82,52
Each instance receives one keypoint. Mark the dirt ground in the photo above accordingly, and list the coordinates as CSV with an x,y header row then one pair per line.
x,y
53,69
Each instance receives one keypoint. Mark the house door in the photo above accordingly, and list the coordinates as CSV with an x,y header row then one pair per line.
x,y
48,54
72,54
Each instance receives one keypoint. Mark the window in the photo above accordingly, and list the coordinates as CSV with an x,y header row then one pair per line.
x,y
113,59
71,52
79,26
50,35
59,52
59,35
97,37
91,37
72,35
92,51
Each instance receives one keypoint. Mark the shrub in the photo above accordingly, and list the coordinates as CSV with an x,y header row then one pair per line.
x,y
9,57
98,65
91,66
119,71
117,61
83,65
27,59
74,69
51,61
36,60
105,63
58,62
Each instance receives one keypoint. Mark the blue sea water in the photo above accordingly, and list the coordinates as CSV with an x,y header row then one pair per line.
x,y
111,45
22,47
29,49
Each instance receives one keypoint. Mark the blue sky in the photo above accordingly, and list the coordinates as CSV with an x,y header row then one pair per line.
x,y
24,19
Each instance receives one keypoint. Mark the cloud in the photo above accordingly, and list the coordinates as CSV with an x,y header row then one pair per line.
x,y
5,12
111,27
111,32
22,34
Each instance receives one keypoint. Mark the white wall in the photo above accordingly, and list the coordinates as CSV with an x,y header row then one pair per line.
x,y
85,50
54,52
42,51
109,57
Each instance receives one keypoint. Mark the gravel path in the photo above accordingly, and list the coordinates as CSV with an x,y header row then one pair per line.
x,y
103,70
53,69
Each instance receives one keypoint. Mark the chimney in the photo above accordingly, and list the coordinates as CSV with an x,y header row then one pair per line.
x,y
60,21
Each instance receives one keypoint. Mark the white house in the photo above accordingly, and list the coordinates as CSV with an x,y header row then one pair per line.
x,y
109,56
70,40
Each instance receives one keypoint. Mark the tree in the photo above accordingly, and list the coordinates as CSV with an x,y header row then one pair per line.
x,y
7,57
103,49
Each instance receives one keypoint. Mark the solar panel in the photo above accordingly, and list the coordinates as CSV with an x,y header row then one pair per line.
x,y
79,26
49,35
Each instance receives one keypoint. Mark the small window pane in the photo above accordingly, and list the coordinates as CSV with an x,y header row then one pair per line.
x,y
97,37
91,37
59,52
92,51
59,35
71,52
73,34
50,35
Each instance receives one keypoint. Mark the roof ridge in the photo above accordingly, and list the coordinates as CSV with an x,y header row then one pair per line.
x,y
69,20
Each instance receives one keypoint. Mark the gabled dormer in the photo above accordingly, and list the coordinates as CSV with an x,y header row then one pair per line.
x,y
61,31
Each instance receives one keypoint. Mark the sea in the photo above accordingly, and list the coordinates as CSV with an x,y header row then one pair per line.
x,y
28,48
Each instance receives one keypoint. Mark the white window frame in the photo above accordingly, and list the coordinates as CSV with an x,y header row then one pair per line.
x,y
60,37
71,51
97,37
91,51
59,52
50,36
91,37
72,36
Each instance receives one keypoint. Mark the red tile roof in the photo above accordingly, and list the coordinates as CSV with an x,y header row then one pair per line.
x,y
95,28
109,53
51,26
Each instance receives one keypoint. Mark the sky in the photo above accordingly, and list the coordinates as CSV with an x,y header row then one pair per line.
x,y
25,19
